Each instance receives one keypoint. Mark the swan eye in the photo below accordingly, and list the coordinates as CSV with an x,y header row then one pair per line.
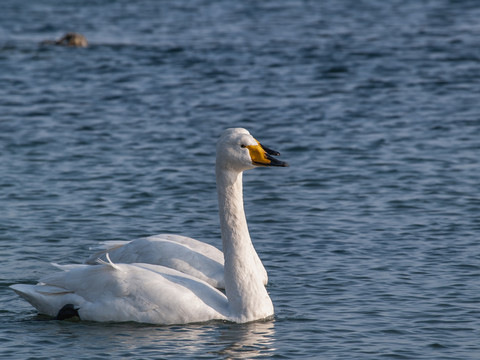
x,y
243,146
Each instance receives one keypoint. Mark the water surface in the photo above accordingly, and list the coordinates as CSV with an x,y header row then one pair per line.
x,y
370,237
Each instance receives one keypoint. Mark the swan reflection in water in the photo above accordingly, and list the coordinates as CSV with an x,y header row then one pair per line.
x,y
247,341
220,339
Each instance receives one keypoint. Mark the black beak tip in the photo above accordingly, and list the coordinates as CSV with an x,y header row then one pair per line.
x,y
276,162
270,151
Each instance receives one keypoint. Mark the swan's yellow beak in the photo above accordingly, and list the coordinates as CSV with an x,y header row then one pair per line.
x,y
262,156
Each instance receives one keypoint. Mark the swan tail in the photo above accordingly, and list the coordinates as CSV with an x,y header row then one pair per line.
x,y
47,299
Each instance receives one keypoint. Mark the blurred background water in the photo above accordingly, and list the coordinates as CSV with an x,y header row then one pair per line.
x,y
370,238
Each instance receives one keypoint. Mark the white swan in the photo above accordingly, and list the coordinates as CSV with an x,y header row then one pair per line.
x,y
161,295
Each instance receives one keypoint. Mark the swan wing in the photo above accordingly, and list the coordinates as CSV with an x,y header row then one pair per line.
x,y
184,254
127,292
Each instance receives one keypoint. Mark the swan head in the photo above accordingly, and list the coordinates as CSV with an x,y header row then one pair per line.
x,y
240,151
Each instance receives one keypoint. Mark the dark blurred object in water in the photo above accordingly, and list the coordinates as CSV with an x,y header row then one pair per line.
x,y
69,39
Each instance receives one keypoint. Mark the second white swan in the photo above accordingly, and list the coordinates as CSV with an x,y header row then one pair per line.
x,y
161,295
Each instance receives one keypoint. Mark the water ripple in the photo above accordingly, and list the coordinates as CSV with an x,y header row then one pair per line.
x,y
369,237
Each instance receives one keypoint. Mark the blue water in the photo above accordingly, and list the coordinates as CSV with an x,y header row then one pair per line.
x,y
370,237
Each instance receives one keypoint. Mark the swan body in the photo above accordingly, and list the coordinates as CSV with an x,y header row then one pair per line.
x,y
127,292
157,294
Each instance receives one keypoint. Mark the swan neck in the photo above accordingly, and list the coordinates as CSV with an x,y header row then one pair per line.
x,y
247,297
233,222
